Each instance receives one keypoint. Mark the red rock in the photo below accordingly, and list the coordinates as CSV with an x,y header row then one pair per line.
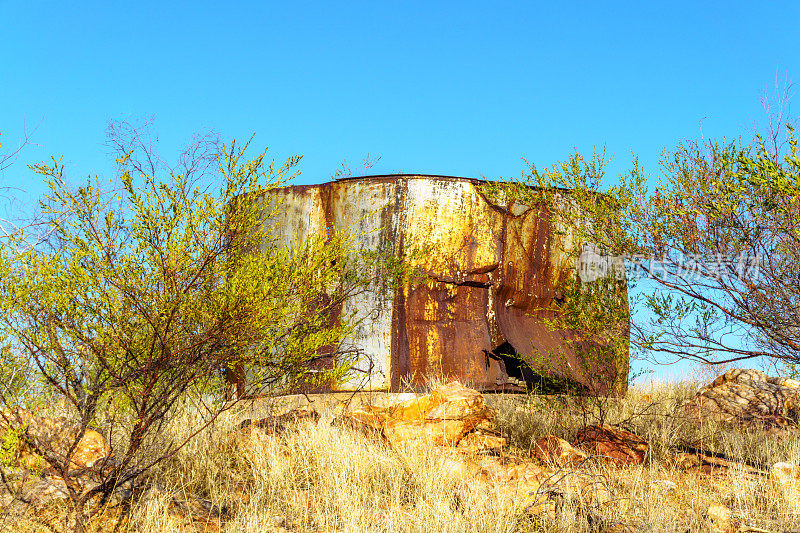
x,y
551,449
618,446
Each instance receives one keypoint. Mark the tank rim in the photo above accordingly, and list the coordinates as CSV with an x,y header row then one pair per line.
x,y
410,176
382,177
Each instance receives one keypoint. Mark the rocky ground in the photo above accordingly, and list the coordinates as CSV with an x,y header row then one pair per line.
x,y
723,458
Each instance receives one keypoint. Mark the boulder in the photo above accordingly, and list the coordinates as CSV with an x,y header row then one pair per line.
x,y
53,435
91,449
442,418
620,447
749,397
553,450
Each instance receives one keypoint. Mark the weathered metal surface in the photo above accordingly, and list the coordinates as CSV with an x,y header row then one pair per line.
x,y
490,269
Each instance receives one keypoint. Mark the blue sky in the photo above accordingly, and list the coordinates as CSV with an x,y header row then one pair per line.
x,y
467,88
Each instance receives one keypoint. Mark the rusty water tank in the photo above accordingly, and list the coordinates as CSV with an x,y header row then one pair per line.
x,y
490,269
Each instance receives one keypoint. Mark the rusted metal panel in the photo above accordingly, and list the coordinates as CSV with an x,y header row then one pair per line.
x,y
448,334
370,210
490,268
447,328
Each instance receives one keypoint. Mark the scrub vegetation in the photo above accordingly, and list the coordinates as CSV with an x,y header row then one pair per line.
x,y
130,305
140,292
318,476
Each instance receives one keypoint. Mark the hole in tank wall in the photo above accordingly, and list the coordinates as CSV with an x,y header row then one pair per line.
x,y
521,375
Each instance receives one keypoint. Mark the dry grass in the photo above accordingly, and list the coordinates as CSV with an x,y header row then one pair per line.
x,y
323,477
317,477
660,496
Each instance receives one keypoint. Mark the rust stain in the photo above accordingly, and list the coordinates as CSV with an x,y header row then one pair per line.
x,y
490,270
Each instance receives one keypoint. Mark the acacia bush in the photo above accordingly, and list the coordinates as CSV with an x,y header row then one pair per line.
x,y
148,287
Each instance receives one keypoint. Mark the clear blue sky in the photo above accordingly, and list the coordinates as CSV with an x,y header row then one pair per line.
x,y
466,88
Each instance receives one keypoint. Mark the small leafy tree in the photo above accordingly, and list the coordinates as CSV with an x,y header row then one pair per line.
x,y
717,241
589,312
149,286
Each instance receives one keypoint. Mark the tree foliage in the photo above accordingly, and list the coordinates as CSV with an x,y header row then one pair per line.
x,y
715,239
150,285
589,310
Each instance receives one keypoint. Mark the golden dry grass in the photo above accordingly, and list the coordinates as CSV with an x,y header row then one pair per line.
x,y
323,477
